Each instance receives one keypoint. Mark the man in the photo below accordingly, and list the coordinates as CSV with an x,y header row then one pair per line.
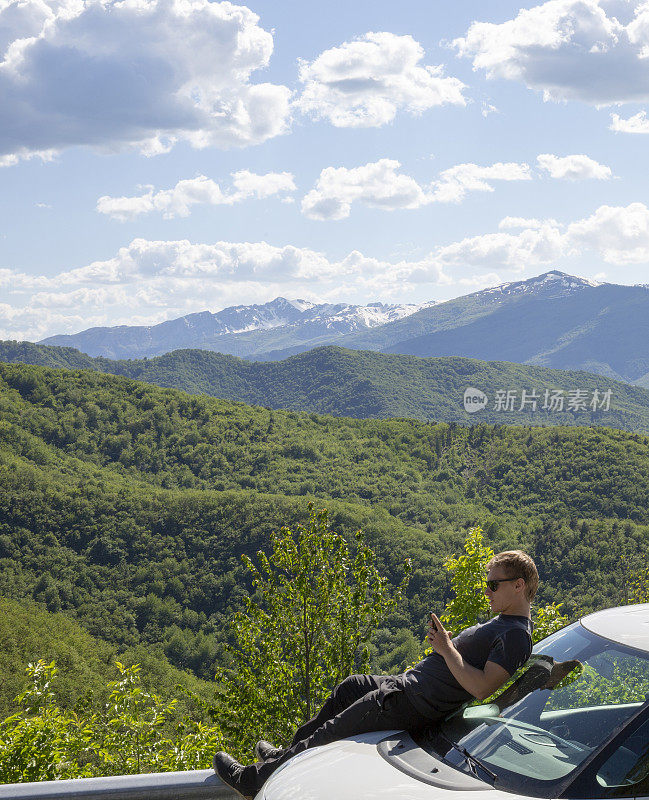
x,y
474,664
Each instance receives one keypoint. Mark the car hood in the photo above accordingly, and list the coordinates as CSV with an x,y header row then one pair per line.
x,y
352,769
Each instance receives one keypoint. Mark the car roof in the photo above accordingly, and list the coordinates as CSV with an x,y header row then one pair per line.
x,y
625,624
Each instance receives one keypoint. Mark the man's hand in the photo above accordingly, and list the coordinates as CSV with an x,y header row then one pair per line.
x,y
438,636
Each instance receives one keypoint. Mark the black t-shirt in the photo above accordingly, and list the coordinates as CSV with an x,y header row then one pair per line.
x,y
430,685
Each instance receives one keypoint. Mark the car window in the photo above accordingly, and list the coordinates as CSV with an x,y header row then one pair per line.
x,y
625,773
607,678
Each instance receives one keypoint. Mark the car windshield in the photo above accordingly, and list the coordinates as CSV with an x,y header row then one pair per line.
x,y
576,690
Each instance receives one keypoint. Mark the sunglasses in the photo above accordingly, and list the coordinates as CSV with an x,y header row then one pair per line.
x,y
493,585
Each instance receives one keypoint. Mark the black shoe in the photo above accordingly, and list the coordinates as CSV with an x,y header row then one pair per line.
x,y
265,750
230,771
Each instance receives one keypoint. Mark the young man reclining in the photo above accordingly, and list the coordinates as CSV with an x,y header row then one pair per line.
x,y
475,663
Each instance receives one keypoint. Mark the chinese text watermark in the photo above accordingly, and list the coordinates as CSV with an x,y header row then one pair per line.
x,y
552,400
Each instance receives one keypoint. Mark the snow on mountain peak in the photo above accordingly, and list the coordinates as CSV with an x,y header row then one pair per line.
x,y
280,312
566,280
370,315
554,279
301,305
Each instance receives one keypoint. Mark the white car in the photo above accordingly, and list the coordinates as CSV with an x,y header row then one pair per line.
x,y
573,724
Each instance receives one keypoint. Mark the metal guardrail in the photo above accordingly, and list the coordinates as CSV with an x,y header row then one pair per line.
x,y
192,785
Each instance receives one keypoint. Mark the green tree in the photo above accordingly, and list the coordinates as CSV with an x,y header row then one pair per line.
x,y
131,724
468,573
130,734
547,620
41,742
640,587
304,630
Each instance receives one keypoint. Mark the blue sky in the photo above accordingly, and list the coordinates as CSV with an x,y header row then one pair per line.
x,y
161,157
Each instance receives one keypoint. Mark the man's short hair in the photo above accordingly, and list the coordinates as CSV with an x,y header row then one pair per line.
x,y
518,564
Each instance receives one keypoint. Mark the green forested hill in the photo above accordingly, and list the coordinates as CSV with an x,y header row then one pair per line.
x,y
128,506
330,380
86,663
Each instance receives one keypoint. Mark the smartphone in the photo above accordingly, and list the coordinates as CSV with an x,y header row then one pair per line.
x,y
432,622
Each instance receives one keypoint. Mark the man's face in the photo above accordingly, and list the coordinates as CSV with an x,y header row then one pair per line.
x,y
506,594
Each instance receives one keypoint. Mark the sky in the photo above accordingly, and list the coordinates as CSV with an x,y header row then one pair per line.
x,y
162,157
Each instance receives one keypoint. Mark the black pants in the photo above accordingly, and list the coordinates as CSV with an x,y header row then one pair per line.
x,y
361,703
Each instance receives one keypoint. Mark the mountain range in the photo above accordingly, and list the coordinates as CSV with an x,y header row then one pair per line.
x,y
246,331
553,320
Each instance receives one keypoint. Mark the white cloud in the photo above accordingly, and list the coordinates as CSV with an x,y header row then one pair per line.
x,y
638,123
125,209
486,279
455,183
86,297
250,184
568,49
523,222
14,281
573,168
617,234
364,82
379,185
178,201
135,73
143,261
530,247
24,154
33,322
620,234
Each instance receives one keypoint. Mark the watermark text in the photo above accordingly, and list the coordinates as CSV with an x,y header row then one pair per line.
x,y
551,400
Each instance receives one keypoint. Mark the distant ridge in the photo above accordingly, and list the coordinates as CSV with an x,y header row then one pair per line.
x,y
331,380
237,330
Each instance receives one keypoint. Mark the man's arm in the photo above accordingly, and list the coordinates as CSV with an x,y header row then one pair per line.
x,y
481,683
